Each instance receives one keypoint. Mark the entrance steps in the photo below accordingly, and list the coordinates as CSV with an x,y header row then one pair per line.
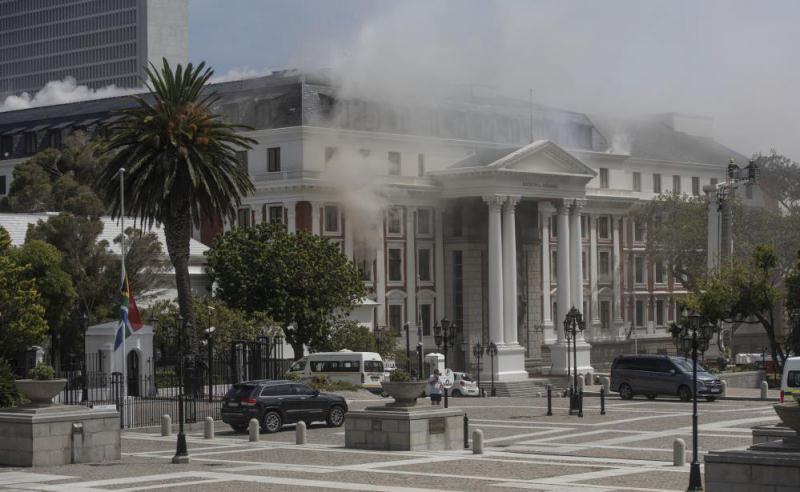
x,y
523,388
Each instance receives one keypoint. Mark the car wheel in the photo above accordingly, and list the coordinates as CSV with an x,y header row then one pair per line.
x,y
625,391
455,393
272,421
651,397
711,398
684,393
335,416
241,428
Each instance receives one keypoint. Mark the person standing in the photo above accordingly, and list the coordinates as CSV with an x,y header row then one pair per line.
x,y
436,388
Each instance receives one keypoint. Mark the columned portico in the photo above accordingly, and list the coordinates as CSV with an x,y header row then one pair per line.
x,y
495,263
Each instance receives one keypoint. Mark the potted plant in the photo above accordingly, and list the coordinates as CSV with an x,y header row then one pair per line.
x,y
404,391
41,385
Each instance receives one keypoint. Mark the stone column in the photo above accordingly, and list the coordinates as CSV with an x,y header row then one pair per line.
x,y
546,210
562,258
438,237
315,225
510,270
576,270
495,260
411,267
348,234
595,305
380,273
616,253
291,216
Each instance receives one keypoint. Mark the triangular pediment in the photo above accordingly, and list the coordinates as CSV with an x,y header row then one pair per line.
x,y
542,157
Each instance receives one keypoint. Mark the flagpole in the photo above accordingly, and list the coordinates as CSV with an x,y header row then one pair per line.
x,y
122,280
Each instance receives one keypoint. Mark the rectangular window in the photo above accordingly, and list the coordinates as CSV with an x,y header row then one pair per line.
x,y
603,229
554,266
458,287
604,263
603,177
695,186
554,226
30,142
637,181
243,217
457,222
605,315
656,183
275,214
425,312
2,185
659,313
394,221
638,269
638,231
331,219
421,165
396,317
424,222
241,158
6,146
54,138
713,181
660,277
676,184
583,226
425,265
395,265
394,163
584,267
273,159
639,313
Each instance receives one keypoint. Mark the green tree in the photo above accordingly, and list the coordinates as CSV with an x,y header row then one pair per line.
x,y
22,317
144,262
780,179
5,240
300,280
347,334
180,162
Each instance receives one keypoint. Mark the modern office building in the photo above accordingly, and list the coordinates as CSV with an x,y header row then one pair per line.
x,y
97,42
495,213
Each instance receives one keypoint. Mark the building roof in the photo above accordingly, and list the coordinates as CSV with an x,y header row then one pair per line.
x,y
17,227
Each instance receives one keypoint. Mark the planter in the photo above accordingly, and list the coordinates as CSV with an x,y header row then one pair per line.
x,y
405,394
40,391
789,414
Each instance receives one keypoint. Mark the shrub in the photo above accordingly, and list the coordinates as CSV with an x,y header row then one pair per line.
x,y
331,386
399,376
9,396
42,372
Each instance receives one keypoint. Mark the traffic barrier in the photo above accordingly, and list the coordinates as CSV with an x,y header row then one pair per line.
x,y
605,383
466,431
300,433
724,391
602,401
580,384
254,430
166,425
587,379
549,400
208,428
477,441
678,452
580,403
764,389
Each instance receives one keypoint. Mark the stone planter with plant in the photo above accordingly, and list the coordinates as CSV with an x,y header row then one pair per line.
x,y
404,391
41,386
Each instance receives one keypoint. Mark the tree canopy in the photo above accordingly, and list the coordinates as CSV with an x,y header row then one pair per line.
x,y
22,316
302,281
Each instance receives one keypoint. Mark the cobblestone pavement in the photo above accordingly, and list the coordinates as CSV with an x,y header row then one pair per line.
x,y
629,448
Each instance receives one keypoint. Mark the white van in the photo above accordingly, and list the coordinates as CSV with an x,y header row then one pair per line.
x,y
360,368
790,380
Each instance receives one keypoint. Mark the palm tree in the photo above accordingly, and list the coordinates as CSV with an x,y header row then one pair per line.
x,y
180,163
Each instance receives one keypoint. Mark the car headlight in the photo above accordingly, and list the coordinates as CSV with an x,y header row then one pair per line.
x,y
701,384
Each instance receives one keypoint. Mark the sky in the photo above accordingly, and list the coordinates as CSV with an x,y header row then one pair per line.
x,y
734,60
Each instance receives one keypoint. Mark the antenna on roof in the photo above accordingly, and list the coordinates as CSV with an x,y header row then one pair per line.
x,y
530,107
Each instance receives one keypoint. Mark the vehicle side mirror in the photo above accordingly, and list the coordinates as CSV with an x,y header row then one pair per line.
x,y
672,372
316,392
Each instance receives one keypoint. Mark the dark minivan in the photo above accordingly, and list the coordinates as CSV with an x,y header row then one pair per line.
x,y
275,403
653,375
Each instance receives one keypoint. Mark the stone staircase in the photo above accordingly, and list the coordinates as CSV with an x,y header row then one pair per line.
x,y
524,388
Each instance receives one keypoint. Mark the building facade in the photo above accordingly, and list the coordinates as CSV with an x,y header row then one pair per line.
x,y
97,42
494,213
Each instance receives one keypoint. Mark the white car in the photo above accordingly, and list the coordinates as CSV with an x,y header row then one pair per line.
x,y
463,385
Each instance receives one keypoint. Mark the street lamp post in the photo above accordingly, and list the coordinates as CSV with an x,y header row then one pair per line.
x,y
693,335
420,377
444,334
477,351
408,348
85,374
210,338
181,452
573,325
492,351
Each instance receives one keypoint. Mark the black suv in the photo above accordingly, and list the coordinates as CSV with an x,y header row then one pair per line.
x,y
275,403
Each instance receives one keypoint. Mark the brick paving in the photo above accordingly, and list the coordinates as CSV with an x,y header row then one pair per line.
x,y
630,448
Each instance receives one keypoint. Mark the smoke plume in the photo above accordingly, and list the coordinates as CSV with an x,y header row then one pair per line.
x,y
62,92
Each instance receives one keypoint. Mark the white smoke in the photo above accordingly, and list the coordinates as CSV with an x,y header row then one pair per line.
x,y
240,73
62,92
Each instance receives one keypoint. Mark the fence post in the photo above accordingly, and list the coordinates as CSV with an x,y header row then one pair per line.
x,y
208,428
477,441
466,431
116,389
166,425
602,401
549,400
254,430
580,403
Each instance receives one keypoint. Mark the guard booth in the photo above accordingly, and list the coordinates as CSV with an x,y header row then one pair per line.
x,y
433,361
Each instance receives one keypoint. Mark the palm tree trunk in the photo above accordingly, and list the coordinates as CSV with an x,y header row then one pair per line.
x,y
178,233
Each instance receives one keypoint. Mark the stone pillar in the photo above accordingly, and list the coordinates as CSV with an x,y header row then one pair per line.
x,y
438,224
546,210
594,326
510,271
380,274
291,216
411,268
576,262
563,293
495,260
616,279
315,225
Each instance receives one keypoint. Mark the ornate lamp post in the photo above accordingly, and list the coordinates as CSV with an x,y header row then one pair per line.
x,y
573,325
181,452
210,339
408,348
477,352
444,335
420,376
85,373
492,351
693,335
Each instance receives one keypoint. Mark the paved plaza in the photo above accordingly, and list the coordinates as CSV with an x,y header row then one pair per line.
x,y
629,448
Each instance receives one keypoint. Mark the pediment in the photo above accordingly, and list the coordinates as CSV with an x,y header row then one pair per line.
x,y
543,157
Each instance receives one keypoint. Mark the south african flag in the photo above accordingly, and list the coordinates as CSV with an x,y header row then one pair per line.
x,y
130,320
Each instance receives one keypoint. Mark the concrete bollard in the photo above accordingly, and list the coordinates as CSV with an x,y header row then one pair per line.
x,y
580,383
678,452
208,428
254,429
166,425
300,433
477,441
724,390
587,379
606,383
764,389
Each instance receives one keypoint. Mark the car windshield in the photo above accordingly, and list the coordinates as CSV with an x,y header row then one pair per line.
x,y
373,366
467,377
240,391
686,365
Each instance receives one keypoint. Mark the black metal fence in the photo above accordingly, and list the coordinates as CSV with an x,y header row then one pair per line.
x,y
150,388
